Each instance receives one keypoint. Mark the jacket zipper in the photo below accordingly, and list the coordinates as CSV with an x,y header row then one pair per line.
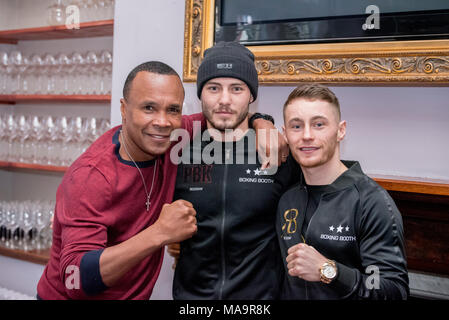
x,y
223,219
305,236
308,227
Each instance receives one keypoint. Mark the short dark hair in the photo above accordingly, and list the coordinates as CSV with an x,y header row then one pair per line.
x,y
314,91
150,66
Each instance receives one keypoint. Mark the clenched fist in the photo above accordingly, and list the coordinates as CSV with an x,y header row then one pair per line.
x,y
177,221
304,261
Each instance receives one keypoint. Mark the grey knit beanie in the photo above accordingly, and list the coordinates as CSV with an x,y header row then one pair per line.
x,y
230,60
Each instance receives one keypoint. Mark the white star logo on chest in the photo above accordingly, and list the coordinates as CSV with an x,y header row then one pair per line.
x,y
257,172
339,229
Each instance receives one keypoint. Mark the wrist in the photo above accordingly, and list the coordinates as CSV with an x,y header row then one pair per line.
x,y
257,117
154,237
328,271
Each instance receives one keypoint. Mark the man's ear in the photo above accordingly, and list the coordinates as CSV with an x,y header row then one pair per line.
x,y
283,133
122,109
251,99
341,130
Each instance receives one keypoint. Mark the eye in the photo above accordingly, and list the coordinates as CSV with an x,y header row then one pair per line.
x,y
212,88
149,108
174,110
319,124
237,89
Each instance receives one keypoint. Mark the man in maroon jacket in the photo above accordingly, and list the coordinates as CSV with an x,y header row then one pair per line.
x,y
113,213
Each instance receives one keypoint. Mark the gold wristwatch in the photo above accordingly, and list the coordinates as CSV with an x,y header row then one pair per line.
x,y
328,271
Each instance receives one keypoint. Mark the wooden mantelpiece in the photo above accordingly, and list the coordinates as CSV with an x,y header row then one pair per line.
x,y
413,185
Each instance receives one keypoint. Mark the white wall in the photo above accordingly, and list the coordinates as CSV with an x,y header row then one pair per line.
x,y
395,131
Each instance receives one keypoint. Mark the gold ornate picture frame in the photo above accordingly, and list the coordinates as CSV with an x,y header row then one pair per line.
x,y
423,62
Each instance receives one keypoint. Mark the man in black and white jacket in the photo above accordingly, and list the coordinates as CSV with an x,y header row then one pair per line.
x,y
340,233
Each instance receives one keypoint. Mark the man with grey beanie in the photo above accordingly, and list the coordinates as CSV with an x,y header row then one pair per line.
x,y
235,253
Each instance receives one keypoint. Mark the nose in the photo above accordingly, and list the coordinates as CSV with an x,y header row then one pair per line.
x,y
161,120
307,133
225,98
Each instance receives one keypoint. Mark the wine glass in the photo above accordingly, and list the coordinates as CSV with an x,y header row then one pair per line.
x,y
106,64
84,11
37,70
24,70
43,218
110,9
92,63
49,70
105,125
79,137
65,66
85,135
70,145
55,13
3,64
78,62
50,216
60,139
27,225
47,145
3,138
102,10
24,139
37,133
93,132
11,224
93,10
11,127
20,217
15,59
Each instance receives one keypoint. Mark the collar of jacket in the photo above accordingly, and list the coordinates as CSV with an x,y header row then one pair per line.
x,y
346,179
248,140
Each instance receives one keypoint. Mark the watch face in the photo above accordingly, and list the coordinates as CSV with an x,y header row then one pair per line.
x,y
329,272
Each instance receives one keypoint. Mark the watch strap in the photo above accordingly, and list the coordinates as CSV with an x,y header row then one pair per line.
x,y
258,115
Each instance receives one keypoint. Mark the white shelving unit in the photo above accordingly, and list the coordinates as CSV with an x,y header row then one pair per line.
x,y
29,182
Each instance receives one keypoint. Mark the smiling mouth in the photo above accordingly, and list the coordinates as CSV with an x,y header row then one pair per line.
x,y
308,149
159,136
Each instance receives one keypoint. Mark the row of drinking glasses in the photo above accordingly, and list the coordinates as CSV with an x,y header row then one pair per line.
x,y
76,73
89,10
25,225
47,140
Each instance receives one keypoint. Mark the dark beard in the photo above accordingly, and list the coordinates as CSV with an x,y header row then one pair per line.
x,y
225,126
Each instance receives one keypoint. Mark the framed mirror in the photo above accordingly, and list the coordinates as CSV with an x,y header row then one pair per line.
x,y
393,42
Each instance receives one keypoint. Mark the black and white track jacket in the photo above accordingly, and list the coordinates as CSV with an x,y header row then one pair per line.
x,y
358,225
